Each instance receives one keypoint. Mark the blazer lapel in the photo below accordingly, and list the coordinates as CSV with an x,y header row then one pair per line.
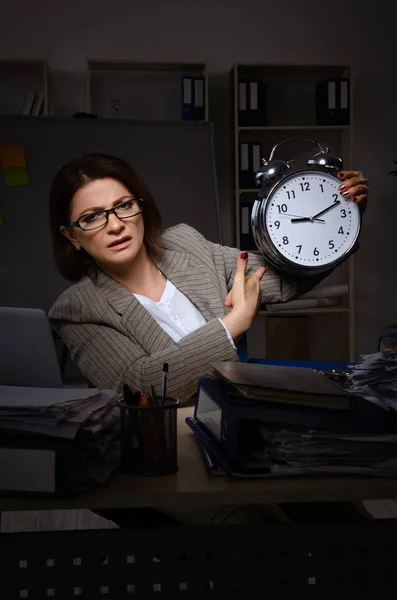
x,y
138,322
194,281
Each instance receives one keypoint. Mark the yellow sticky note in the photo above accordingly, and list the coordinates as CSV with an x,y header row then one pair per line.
x,y
16,176
12,156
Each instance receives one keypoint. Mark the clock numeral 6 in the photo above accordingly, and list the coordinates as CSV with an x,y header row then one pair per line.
x,y
316,252
331,244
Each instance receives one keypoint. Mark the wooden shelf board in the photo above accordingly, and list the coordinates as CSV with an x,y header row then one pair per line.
x,y
127,65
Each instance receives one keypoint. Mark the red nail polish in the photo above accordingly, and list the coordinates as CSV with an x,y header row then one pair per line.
x,y
342,187
244,255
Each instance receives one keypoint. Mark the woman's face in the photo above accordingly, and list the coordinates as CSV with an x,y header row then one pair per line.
x,y
116,243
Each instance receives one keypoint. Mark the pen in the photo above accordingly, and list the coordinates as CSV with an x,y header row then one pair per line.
x,y
153,395
164,385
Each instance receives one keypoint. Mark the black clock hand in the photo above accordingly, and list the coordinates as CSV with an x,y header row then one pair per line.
x,y
327,209
300,218
314,218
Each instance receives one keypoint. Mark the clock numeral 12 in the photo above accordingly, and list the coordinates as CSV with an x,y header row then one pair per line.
x,y
305,187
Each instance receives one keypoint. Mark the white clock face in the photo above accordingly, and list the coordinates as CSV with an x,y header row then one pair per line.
x,y
309,221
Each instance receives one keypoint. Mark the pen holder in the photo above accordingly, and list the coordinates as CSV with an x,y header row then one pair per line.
x,y
148,441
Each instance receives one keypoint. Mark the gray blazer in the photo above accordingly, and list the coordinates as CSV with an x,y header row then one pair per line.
x,y
114,340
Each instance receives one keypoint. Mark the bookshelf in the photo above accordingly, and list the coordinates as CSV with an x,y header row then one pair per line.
x,y
20,77
145,90
287,94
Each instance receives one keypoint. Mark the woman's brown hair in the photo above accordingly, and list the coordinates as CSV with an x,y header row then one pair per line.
x,y
74,264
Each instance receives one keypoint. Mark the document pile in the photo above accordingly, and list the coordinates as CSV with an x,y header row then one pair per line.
x,y
369,449
291,451
269,419
57,441
376,375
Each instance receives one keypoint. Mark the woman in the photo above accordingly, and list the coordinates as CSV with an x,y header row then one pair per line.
x,y
140,296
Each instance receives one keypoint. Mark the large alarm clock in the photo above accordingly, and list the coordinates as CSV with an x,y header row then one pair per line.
x,y
300,220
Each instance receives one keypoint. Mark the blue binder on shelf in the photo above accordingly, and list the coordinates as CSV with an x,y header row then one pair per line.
x,y
252,103
193,98
333,102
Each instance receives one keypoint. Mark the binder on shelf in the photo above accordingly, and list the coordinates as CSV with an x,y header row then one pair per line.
x,y
333,102
199,99
252,103
187,100
250,158
193,98
246,238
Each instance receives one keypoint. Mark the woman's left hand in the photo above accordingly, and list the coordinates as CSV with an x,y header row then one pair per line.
x,y
354,185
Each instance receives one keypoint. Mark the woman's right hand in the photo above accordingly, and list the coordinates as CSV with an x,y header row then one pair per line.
x,y
244,298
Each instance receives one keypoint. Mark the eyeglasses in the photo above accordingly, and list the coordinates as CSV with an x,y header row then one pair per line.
x,y
125,210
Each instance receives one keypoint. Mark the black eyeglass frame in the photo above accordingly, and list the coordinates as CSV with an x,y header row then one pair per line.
x,y
107,211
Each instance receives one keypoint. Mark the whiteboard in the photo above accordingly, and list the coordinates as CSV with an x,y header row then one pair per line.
x,y
176,159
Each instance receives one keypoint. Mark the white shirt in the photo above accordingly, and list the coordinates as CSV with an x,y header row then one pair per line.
x,y
175,313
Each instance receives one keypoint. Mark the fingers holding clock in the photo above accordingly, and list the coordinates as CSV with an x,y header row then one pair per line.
x,y
354,186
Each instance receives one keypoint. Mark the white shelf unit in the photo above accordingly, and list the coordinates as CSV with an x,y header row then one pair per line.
x,y
145,90
19,77
291,113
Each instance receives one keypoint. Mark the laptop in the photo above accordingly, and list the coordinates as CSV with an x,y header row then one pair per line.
x,y
27,350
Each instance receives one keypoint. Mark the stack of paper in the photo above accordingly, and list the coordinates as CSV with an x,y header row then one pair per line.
x,y
376,375
294,452
69,436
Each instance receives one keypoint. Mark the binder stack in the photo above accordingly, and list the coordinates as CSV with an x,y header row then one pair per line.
x,y
250,160
333,102
247,241
57,442
193,98
252,104
276,420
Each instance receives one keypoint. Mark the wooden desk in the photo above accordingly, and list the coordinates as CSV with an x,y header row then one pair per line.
x,y
192,485
276,560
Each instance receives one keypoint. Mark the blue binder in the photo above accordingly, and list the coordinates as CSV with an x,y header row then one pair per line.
x,y
193,98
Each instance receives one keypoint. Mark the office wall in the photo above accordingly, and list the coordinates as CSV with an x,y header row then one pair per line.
x,y
226,31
